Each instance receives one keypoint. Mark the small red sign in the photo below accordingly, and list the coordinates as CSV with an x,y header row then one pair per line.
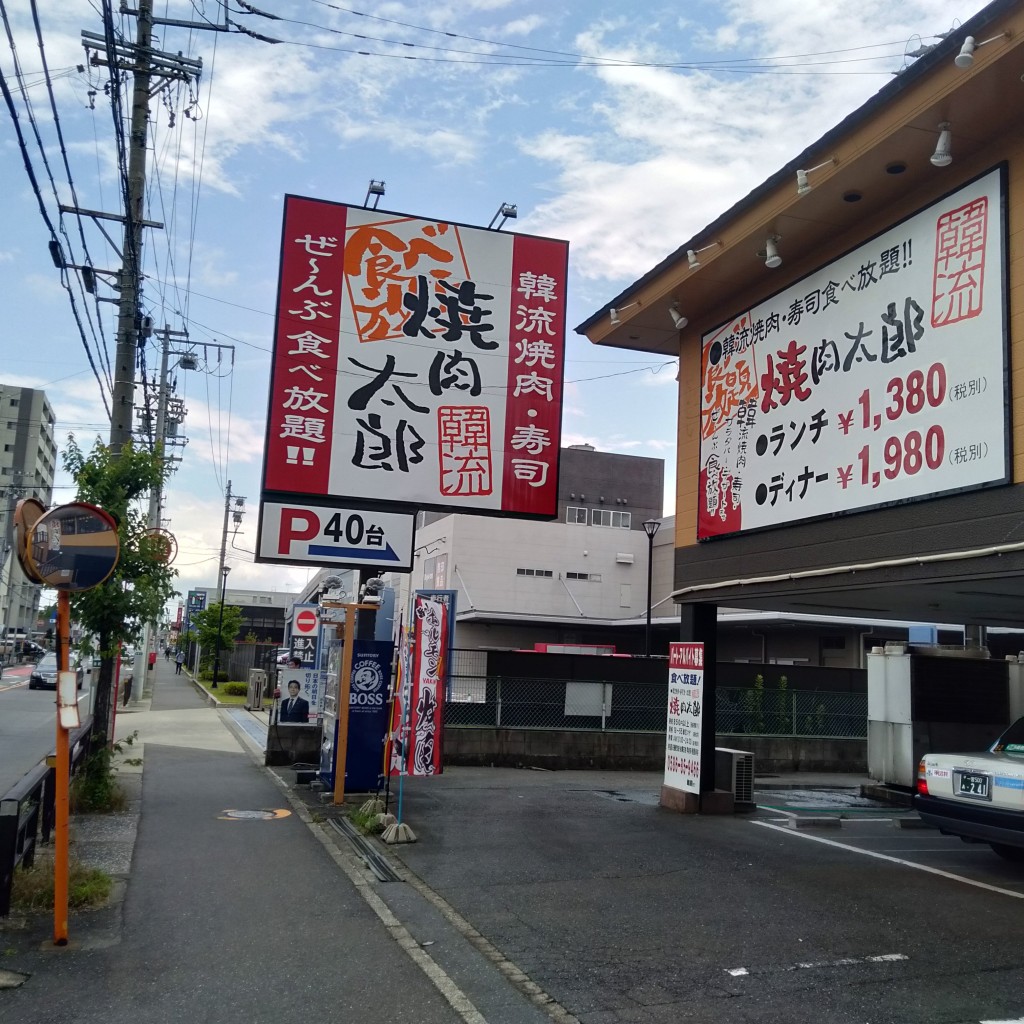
x,y
306,621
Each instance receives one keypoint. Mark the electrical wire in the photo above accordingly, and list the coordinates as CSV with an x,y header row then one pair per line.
x,y
742,65
563,53
87,258
34,182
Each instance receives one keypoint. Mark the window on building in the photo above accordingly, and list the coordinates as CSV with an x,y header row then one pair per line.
x,y
609,517
14,402
574,514
8,447
593,577
534,572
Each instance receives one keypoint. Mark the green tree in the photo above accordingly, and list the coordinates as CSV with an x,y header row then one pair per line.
x,y
207,624
141,584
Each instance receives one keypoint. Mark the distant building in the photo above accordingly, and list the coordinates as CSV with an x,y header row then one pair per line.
x,y
581,579
28,459
263,611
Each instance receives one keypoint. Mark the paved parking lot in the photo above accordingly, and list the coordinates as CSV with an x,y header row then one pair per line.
x,y
844,819
622,911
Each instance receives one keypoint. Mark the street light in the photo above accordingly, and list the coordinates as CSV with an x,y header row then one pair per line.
x,y
220,625
651,527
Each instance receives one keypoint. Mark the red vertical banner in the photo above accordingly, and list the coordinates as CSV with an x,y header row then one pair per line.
x,y
418,722
307,335
536,366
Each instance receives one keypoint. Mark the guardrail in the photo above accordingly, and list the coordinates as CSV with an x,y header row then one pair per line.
x,y
27,814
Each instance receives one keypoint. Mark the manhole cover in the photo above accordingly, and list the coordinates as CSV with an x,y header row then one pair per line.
x,y
261,815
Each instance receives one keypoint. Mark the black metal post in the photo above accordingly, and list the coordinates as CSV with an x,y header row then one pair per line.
x,y
220,625
651,527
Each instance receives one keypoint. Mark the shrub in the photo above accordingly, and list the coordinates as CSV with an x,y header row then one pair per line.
x,y
94,790
207,675
235,689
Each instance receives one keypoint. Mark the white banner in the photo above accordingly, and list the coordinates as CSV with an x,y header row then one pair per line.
x,y
685,714
879,378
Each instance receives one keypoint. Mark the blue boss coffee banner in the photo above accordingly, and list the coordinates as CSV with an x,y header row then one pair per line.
x,y
368,714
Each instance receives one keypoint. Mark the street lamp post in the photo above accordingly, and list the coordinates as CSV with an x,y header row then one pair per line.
x,y
220,625
651,527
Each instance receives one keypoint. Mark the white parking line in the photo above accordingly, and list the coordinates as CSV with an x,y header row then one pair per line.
x,y
894,860
846,961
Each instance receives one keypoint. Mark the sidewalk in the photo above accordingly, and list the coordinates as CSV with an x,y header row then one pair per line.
x,y
247,918
238,900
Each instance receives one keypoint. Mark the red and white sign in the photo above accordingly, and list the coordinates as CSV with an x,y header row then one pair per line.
x,y
880,378
419,705
416,362
685,714
306,623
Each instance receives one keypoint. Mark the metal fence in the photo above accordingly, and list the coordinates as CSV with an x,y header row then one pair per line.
x,y
518,703
760,712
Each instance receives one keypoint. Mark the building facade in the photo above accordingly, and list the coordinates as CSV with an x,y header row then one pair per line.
x,y
579,580
851,406
28,460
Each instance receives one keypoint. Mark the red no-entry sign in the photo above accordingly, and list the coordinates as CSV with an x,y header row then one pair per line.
x,y
306,622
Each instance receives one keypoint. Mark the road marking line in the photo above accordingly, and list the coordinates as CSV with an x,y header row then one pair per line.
x,y
442,981
846,961
777,810
895,860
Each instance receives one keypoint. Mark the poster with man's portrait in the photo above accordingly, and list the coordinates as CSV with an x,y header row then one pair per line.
x,y
302,696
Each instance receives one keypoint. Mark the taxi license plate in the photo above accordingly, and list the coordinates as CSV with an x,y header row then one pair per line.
x,y
974,784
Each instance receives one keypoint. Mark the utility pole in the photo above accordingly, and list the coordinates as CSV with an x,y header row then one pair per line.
x,y
122,409
144,64
224,532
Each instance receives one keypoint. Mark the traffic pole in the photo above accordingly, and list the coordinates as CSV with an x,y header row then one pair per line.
x,y
344,690
61,790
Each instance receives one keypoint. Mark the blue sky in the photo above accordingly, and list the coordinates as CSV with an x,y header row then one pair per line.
x,y
622,127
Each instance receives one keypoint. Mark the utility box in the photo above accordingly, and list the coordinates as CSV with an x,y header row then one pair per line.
x,y
734,771
257,687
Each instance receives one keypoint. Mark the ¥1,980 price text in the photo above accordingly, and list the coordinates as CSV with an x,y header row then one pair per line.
x,y
904,456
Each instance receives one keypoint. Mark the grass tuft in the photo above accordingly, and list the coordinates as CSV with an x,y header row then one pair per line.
x,y
32,890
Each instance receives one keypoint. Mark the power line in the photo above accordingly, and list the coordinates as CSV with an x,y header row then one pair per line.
x,y
37,192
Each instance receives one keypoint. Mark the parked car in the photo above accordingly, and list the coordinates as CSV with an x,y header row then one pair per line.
x,y
44,674
979,797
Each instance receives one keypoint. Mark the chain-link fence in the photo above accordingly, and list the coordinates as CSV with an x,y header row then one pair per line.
x,y
518,703
759,712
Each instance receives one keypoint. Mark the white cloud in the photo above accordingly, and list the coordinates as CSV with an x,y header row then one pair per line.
x,y
659,153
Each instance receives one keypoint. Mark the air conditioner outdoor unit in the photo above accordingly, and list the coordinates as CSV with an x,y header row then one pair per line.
x,y
734,770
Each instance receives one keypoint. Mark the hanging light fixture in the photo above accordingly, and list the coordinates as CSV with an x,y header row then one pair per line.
x,y
772,259
803,186
943,156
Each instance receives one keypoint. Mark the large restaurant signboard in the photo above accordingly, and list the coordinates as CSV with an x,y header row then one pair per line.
x,y
880,378
417,364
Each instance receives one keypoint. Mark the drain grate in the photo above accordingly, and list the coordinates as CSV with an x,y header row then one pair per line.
x,y
372,858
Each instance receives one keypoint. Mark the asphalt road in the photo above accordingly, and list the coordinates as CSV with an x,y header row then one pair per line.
x,y
27,725
625,912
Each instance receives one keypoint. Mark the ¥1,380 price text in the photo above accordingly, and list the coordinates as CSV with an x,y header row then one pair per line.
x,y
903,456
920,389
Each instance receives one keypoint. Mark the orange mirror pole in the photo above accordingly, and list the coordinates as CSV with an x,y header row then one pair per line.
x,y
60,859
